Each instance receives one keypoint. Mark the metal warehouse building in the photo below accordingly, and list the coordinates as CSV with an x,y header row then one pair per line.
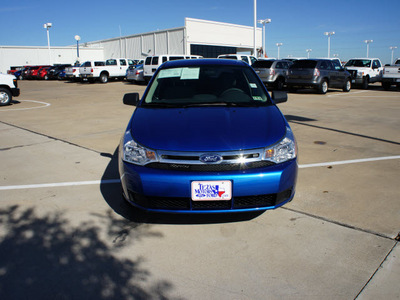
x,y
197,37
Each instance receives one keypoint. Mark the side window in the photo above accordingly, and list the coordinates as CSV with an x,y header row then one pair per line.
x,y
147,61
329,66
279,65
164,59
253,59
376,64
245,59
323,65
99,63
336,65
155,60
111,62
131,62
122,62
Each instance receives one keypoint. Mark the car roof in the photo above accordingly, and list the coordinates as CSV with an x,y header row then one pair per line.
x,y
203,62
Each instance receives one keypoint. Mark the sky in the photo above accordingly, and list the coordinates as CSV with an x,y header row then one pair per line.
x,y
298,25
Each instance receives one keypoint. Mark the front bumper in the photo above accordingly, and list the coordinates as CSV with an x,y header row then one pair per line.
x,y
15,92
170,191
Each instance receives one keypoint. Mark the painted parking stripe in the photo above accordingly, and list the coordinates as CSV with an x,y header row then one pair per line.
x,y
110,181
59,184
345,162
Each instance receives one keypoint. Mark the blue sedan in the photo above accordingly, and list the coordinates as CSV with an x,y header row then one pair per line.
x,y
206,137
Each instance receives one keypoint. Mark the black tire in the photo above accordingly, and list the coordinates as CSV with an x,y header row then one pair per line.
x,y
280,82
323,87
5,96
386,85
365,83
103,78
347,86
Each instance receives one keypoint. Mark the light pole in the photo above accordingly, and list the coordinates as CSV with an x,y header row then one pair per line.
x,y
77,38
263,22
308,52
279,46
255,29
47,26
368,42
329,34
392,48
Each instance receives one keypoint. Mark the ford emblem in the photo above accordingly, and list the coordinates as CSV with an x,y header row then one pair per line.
x,y
210,158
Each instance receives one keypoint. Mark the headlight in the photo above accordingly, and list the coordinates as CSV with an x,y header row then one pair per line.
x,y
135,153
282,151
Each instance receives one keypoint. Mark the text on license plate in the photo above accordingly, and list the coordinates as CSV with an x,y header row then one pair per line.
x,y
211,190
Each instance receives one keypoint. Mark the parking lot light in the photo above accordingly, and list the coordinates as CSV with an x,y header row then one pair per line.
x,y
368,42
308,52
263,22
47,26
392,48
77,38
279,46
329,34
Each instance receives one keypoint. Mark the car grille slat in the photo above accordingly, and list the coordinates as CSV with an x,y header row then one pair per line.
x,y
182,203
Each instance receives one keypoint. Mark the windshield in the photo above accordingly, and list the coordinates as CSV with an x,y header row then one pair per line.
x,y
359,63
206,85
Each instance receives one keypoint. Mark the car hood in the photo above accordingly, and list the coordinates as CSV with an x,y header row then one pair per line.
x,y
207,128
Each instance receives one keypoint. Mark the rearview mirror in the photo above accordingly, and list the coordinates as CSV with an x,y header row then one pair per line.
x,y
131,99
279,96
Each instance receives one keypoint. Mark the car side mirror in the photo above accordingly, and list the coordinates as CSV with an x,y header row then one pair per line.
x,y
131,99
279,96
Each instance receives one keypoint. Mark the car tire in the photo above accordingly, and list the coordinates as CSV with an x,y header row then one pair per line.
x,y
323,87
386,85
103,78
280,82
5,97
347,86
365,83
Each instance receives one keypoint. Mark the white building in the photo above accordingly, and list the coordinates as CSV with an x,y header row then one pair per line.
x,y
197,37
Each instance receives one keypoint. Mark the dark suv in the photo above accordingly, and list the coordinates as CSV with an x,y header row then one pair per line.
x,y
319,74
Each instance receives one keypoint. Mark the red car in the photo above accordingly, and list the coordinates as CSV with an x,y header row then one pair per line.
x,y
33,72
43,73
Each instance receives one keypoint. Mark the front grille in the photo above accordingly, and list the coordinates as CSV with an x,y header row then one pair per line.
x,y
210,167
183,203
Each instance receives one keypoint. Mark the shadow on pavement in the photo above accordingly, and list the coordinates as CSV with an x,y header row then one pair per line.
x,y
46,257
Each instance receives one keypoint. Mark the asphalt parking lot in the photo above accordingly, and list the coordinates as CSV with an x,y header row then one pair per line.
x,y
67,234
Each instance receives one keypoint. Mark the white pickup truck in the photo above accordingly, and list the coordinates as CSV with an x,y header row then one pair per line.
x,y
364,71
72,73
8,88
391,75
113,68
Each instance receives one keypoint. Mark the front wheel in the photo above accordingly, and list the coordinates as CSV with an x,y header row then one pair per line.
x,y
347,86
323,87
365,83
5,97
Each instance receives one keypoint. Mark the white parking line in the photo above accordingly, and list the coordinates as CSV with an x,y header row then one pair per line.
x,y
346,162
109,181
45,104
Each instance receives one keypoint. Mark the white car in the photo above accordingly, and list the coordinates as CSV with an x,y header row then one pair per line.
x,y
364,71
8,88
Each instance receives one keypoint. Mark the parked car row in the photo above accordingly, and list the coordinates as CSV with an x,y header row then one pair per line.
x,y
44,72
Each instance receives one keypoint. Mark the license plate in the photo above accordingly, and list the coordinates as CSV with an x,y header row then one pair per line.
x,y
211,190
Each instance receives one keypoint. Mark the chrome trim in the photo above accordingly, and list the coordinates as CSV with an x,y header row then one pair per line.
x,y
193,158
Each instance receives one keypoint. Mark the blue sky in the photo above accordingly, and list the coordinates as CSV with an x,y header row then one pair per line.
x,y
299,25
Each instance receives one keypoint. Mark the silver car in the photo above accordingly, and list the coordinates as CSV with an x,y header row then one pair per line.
x,y
272,72
135,74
